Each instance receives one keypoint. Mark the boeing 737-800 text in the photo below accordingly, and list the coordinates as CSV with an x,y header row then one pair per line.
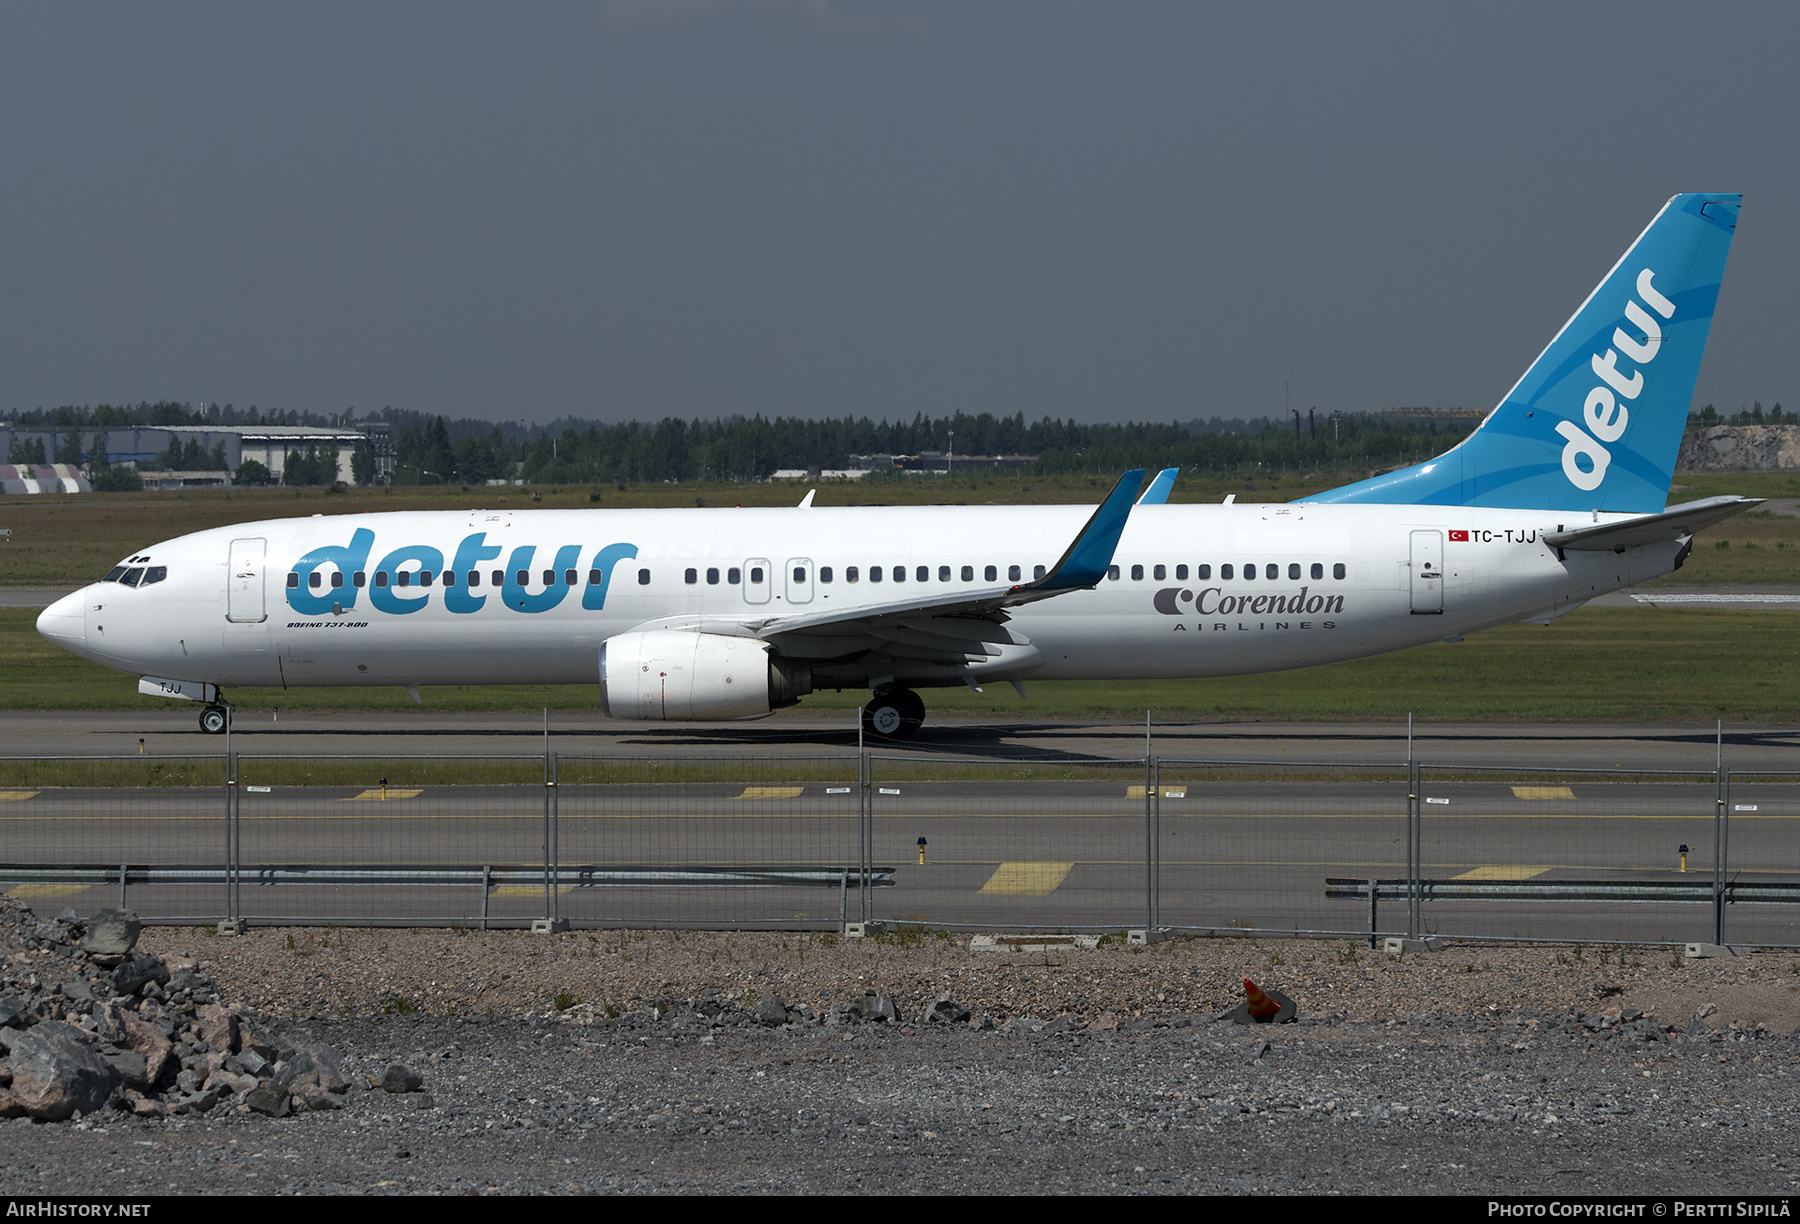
x,y
1557,497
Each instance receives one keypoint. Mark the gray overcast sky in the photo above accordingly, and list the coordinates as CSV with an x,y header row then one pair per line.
x,y
1105,211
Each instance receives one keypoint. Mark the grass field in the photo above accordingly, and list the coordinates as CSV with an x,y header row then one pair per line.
x,y
1601,664
68,539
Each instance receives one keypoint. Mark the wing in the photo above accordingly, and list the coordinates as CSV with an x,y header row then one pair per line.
x,y
961,627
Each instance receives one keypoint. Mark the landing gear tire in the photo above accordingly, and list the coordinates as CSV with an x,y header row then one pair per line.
x,y
895,714
213,719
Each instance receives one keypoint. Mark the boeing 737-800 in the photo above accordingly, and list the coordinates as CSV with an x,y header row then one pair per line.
x,y
1558,496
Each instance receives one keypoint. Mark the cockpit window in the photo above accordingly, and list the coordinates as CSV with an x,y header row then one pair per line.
x,y
114,574
156,573
132,576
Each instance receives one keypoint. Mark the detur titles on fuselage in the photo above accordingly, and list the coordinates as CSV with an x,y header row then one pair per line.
x,y
706,614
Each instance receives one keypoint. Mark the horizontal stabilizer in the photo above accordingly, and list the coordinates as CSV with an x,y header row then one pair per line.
x,y
1682,520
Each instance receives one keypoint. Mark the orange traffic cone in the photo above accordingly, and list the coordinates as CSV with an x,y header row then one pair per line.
x,y
1261,1007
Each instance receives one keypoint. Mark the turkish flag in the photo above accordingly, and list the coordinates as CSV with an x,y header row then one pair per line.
x,y
1461,536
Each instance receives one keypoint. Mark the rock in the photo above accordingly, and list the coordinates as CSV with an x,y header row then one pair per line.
x,y
216,1026
111,932
401,1078
945,1010
770,1011
56,1070
269,1100
132,1067
876,1007
145,1038
131,977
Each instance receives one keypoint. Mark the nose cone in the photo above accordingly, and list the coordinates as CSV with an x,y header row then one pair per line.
x,y
65,622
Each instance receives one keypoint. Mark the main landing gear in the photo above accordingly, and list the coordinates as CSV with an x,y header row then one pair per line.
x,y
214,719
894,714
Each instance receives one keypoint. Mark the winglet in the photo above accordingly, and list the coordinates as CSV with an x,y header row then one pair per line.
x,y
1086,561
1160,488
806,502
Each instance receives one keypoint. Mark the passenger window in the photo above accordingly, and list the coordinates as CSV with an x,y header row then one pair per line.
x,y
403,579
800,574
1271,571
1112,573
923,573
1204,573
312,579
1137,573
899,573
1250,572
756,574
156,573
1160,572
523,578
874,573
1294,571
943,573
712,577
358,579
498,577
1318,571
337,579
474,578
644,577
293,578
1012,573
1226,573
968,573
1180,573
593,578
549,578
691,577
824,573
449,577
381,578
851,573
424,577
990,574
734,575
570,577
1337,571
1037,571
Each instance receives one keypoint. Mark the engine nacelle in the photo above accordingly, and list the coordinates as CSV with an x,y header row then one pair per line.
x,y
661,675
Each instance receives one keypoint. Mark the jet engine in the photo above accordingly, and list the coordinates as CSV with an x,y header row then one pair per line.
x,y
660,675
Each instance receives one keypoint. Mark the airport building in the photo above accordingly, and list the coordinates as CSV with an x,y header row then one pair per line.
x,y
134,445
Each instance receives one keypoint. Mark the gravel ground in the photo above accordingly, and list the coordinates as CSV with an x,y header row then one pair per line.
x,y
1475,1070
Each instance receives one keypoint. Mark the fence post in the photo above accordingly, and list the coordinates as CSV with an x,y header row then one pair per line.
x,y
233,839
1721,848
1374,900
865,824
555,841
1415,849
1156,849
546,858
1149,830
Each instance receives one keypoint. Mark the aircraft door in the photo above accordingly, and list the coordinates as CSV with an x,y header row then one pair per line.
x,y
799,574
244,578
757,580
1427,573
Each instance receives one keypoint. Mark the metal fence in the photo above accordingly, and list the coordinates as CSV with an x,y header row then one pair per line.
x,y
1360,850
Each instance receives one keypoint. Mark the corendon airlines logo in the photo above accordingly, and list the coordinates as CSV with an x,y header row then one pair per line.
x,y
1605,413
1212,601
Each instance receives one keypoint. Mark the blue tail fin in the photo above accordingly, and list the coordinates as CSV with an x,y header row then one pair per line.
x,y
1596,422
1157,493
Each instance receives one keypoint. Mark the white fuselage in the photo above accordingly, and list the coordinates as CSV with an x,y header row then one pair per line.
x,y
1332,582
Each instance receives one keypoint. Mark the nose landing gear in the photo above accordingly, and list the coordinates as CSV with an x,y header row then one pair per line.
x,y
894,714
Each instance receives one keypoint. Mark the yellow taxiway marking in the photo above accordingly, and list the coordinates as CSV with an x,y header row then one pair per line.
x,y
1169,792
1502,872
48,890
1542,792
527,890
771,792
378,794
15,796
1026,879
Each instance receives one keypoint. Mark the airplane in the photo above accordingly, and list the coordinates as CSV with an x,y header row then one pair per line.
x,y
1558,496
